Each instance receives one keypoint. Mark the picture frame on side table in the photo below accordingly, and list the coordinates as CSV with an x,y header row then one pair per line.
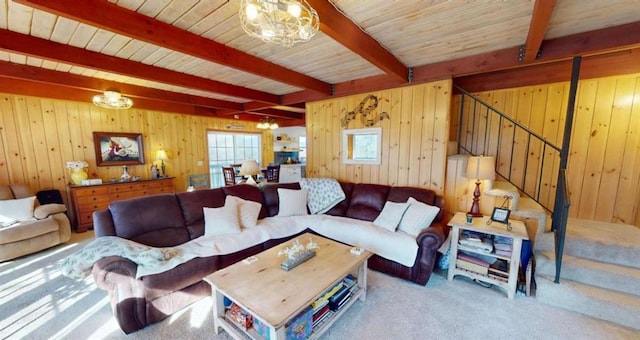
x,y
118,148
500,215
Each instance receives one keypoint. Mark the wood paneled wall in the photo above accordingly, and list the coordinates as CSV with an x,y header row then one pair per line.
x,y
414,143
39,135
604,156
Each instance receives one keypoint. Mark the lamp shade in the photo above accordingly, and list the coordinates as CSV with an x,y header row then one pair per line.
x,y
249,167
161,155
481,167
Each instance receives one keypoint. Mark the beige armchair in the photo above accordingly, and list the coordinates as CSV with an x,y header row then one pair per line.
x,y
27,227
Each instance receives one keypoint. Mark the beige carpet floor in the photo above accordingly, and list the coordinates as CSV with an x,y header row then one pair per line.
x,y
36,302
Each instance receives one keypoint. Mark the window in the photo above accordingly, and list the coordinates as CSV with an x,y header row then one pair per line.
x,y
362,146
230,148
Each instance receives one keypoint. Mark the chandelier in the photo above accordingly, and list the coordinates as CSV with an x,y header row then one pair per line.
x,y
112,100
267,123
283,22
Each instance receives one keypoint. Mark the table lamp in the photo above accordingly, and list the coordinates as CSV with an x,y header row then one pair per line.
x,y
249,168
161,155
479,168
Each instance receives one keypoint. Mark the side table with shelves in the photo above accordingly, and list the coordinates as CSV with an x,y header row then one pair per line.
x,y
517,234
90,198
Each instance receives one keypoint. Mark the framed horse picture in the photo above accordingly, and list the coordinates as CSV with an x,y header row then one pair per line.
x,y
118,148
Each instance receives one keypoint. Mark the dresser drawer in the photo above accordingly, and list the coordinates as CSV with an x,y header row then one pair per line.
x,y
93,203
118,188
91,191
85,218
160,183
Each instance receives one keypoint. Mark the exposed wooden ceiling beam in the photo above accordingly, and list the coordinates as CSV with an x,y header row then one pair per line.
x,y
49,90
111,17
49,50
343,30
595,66
542,10
17,71
623,37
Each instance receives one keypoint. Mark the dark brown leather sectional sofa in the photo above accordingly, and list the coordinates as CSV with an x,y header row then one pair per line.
x,y
170,220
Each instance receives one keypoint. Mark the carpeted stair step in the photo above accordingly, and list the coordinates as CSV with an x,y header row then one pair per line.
x,y
599,241
600,274
621,308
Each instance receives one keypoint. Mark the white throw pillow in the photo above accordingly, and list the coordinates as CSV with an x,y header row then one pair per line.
x,y
292,202
391,215
248,211
221,221
20,209
417,217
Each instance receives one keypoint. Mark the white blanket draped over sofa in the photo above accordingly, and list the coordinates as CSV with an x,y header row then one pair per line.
x,y
395,246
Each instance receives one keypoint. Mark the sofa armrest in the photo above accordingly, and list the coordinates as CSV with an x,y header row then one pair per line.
x,y
429,240
46,210
117,276
110,271
431,237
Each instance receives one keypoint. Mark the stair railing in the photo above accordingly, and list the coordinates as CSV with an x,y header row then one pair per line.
x,y
559,219
523,158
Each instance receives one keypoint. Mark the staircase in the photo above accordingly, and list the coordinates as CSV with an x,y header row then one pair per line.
x,y
600,271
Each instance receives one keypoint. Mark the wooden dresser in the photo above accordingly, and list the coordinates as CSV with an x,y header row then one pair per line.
x,y
87,199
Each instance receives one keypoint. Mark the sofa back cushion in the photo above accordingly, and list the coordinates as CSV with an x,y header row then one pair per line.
x,y
367,201
427,196
340,209
270,195
152,220
192,204
247,192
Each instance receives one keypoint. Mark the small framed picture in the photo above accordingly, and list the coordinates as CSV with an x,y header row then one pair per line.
x,y
500,215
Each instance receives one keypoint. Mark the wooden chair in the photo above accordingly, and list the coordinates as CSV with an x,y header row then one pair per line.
x,y
199,181
273,173
229,175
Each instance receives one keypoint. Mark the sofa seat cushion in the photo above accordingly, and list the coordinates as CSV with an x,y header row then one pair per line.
x,y
395,246
279,227
27,230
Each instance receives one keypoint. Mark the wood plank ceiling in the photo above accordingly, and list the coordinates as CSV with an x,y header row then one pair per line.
x,y
192,56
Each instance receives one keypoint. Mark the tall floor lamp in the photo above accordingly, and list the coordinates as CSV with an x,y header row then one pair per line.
x,y
479,168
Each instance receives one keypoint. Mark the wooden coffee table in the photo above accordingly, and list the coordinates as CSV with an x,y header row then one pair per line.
x,y
275,296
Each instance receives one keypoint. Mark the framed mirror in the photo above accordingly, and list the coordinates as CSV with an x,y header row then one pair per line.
x,y
362,146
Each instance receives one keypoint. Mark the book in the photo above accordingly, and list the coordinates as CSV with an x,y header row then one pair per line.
x,y
472,267
473,259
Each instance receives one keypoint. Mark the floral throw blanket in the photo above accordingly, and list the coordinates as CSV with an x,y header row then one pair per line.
x,y
324,193
78,265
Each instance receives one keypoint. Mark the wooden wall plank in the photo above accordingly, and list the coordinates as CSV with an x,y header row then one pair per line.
x,y
585,105
628,210
596,148
620,126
